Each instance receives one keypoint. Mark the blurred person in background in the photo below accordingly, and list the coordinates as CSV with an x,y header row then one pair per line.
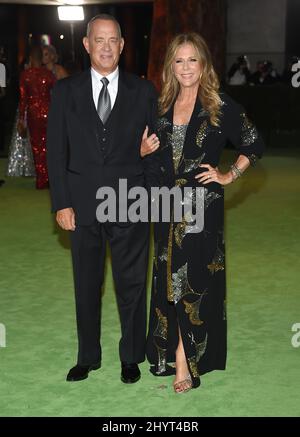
x,y
20,159
36,83
239,72
265,74
50,61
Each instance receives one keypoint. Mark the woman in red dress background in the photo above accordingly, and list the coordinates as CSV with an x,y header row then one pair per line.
x,y
35,86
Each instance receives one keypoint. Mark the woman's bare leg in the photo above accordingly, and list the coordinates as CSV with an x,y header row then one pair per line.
x,y
182,380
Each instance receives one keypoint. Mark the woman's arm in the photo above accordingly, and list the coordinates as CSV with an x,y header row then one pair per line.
x,y
214,175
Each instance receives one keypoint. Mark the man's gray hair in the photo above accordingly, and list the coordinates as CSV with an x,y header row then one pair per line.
x,y
106,17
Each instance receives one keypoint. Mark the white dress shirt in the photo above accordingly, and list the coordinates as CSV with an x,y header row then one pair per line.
x,y
112,87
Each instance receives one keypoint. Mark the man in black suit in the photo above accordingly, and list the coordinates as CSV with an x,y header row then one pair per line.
x,y
96,123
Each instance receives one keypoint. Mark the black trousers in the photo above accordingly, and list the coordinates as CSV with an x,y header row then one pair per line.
x,y
129,253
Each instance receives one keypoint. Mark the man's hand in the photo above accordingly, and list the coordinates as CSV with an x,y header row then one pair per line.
x,y
149,144
66,219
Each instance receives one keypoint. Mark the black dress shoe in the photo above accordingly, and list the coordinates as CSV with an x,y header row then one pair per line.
x,y
78,373
130,373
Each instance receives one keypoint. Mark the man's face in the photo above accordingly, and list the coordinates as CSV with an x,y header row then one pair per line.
x,y
104,46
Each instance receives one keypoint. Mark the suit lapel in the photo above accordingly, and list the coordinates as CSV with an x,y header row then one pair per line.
x,y
84,105
121,111
124,98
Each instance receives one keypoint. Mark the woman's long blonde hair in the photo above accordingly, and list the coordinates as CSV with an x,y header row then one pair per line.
x,y
209,82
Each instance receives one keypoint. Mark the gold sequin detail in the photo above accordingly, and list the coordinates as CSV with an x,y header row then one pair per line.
x,y
180,182
193,366
178,138
162,325
215,267
217,262
179,233
201,134
192,164
192,309
249,133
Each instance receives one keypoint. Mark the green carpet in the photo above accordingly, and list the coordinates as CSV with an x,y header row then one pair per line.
x,y
37,309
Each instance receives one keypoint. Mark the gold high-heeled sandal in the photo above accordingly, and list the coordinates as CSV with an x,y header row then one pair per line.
x,y
185,381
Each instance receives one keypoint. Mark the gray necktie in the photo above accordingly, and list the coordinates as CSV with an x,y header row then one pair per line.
x,y
104,105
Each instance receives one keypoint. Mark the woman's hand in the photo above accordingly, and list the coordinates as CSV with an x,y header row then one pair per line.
x,y
214,175
148,144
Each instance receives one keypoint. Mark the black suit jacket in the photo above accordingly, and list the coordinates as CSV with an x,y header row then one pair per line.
x,y
79,162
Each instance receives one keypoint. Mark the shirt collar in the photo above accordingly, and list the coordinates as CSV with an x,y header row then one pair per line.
x,y
112,77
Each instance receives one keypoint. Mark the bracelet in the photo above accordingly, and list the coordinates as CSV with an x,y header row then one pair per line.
x,y
234,176
252,158
235,171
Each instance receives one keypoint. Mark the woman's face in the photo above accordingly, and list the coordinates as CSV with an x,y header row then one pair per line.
x,y
47,56
186,66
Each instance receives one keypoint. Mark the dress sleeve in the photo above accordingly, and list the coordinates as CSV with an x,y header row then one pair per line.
x,y
242,133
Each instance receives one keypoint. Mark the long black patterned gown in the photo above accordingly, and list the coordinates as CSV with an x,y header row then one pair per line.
x,y
188,284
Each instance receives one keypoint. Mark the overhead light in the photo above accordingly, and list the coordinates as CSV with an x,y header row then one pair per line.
x,y
70,13
74,2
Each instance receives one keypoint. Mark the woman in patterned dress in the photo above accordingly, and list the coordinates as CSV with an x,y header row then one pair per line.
x,y
35,86
187,323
